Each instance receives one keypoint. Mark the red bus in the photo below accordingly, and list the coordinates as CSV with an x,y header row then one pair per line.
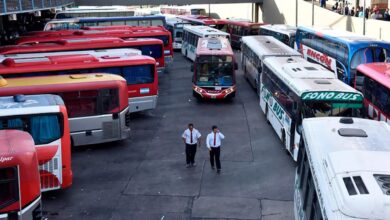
x,y
97,104
214,69
204,20
123,32
240,28
20,197
372,79
45,118
138,70
148,46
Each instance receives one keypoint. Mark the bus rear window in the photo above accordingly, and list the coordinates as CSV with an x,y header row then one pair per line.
x,y
138,74
91,102
154,51
44,128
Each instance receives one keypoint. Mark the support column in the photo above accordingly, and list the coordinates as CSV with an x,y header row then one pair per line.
x,y
256,12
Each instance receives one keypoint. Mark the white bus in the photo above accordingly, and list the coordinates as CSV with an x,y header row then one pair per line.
x,y
292,89
343,170
254,49
283,32
95,11
175,26
191,35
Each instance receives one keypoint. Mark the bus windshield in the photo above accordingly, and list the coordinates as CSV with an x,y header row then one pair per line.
x,y
214,71
369,55
324,109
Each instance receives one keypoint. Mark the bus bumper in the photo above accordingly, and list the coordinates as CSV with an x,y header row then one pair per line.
x,y
138,104
176,46
168,59
31,212
213,94
100,129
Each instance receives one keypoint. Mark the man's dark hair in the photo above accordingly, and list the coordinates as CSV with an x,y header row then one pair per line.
x,y
214,127
190,125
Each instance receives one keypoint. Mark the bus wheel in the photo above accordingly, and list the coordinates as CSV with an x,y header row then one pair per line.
x,y
283,138
266,113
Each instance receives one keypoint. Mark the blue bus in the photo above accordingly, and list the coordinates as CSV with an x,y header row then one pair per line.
x,y
78,23
340,51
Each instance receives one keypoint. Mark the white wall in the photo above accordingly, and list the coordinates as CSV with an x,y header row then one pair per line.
x,y
240,10
283,11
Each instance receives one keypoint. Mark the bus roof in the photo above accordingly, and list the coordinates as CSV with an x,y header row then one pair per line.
x,y
282,28
13,143
380,72
204,31
343,36
121,52
201,19
102,19
78,44
345,149
214,46
125,32
174,21
265,46
69,62
29,101
61,79
303,76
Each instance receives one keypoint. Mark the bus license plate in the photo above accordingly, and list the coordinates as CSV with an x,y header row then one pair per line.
x,y
218,88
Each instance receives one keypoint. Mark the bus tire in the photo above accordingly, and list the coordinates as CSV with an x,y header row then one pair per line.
x,y
284,139
266,113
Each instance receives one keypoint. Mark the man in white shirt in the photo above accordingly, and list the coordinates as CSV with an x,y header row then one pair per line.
x,y
191,138
214,142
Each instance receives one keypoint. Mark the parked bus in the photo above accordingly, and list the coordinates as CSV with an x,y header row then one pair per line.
x,y
340,52
175,26
239,28
343,170
148,46
78,23
19,177
293,89
372,80
96,103
191,35
138,70
205,21
123,32
254,49
214,69
45,118
283,32
95,11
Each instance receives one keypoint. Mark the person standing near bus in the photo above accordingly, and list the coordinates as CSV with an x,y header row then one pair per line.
x,y
214,142
191,138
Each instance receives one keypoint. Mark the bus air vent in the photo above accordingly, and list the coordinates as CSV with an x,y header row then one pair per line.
x,y
322,82
346,120
384,182
352,132
310,68
356,182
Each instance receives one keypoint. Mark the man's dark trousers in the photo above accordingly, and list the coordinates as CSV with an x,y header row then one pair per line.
x,y
190,153
214,154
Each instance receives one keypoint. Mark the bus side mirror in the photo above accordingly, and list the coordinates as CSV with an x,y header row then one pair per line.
x,y
235,66
192,68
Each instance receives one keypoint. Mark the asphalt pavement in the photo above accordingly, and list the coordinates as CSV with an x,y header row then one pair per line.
x,y
145,176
